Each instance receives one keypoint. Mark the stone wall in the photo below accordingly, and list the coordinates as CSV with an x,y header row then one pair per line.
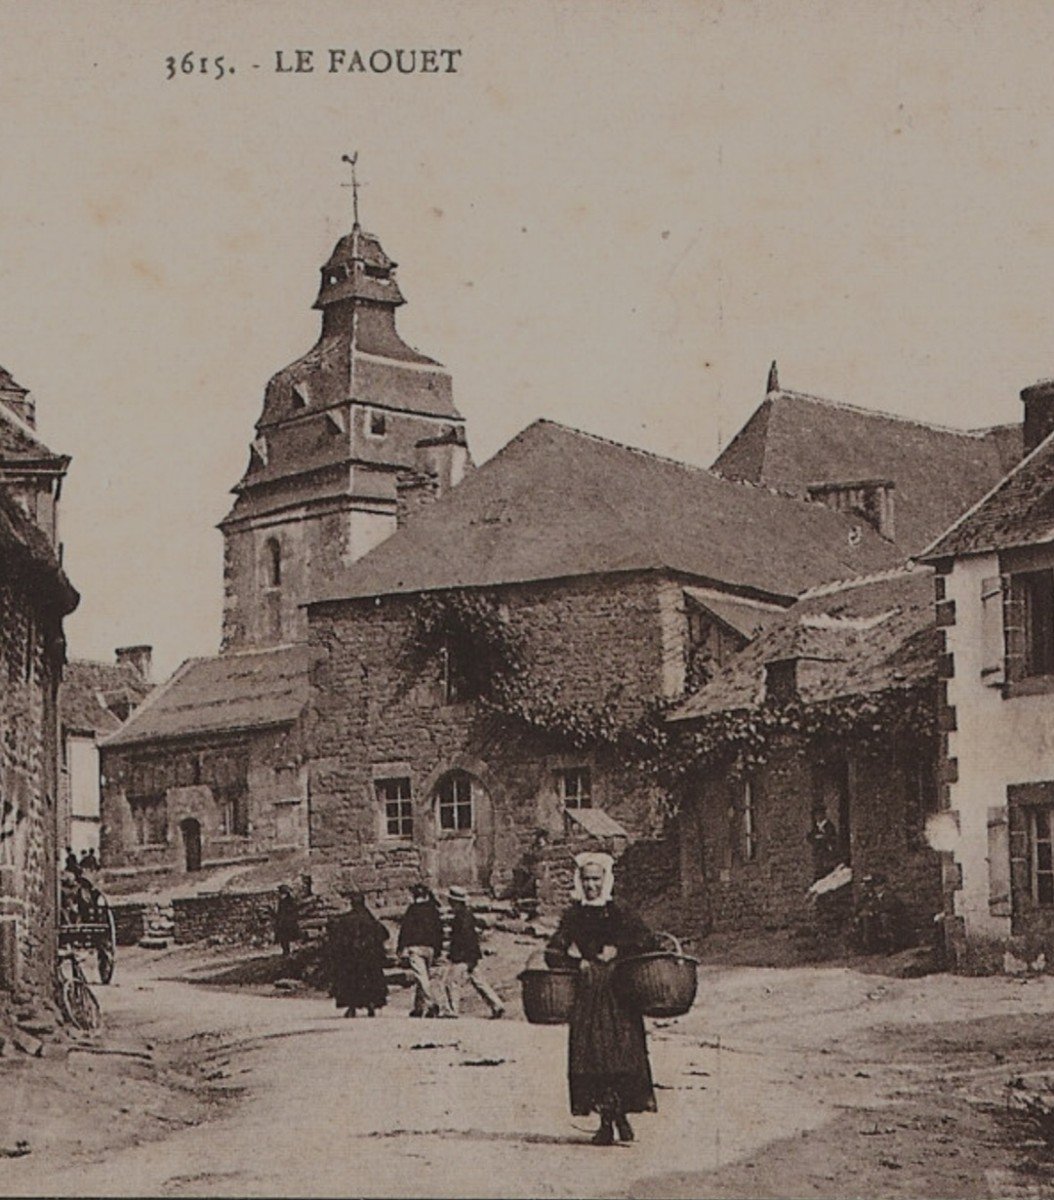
x,y
230,917
195,776
378,711
129,922
731,892
30,665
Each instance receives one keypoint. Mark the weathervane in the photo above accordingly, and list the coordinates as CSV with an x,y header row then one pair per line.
x,y
351,160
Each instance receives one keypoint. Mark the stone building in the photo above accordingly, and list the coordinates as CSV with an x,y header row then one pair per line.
x,y
832,707
359,430
35,596
94,700
476,677
995,607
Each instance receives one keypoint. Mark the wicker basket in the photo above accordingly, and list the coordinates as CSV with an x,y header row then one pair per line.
x,y
548,995
660,984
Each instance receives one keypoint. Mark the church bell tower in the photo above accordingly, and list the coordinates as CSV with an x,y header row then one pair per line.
x,y
339,428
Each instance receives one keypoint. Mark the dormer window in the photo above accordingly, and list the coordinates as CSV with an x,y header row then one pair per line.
x,y
377,423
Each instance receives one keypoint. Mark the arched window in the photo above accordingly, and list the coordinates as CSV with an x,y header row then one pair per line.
x,y
454,801
273,563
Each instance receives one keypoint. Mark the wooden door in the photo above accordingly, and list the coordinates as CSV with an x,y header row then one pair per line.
x,y
464,832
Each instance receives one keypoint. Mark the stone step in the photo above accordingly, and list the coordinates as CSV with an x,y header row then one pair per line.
x,y
154,943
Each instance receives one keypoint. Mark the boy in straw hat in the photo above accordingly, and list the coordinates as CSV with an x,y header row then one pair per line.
x,y
465,955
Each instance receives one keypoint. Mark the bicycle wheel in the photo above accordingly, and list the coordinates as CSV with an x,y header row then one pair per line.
x,y
80,1005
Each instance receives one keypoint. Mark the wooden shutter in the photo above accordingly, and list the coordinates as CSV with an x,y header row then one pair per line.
x,y
993,647
999,902
1014,636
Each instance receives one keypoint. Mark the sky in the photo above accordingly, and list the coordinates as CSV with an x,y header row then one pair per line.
x,y
614,215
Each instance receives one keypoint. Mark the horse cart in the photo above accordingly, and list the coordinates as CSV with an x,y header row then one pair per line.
x,y
89,925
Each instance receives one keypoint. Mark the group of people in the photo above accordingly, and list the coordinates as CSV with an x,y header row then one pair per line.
x,y
356,956
607,1066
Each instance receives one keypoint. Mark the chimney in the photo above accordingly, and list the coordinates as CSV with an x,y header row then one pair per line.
x,y
17,399
1039,412
413,490
136,657
870,499
445,457
440,463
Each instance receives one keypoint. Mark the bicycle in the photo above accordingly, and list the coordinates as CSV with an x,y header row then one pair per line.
x,y
77,1001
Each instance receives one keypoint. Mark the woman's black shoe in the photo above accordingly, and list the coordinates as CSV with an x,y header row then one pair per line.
x,y
605,1135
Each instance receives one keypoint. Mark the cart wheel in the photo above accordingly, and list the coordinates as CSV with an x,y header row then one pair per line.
x,y
106,952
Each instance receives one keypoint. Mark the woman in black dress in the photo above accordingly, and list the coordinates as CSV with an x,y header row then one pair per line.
x,y
608,1069
357,958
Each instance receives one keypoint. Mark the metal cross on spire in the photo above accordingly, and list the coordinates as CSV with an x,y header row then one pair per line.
x,y
351,160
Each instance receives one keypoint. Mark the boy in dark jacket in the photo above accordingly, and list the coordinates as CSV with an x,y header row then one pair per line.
x,y
421,944
465,955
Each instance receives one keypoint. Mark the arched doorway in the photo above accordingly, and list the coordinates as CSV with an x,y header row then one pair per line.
x,y
464,817
191,831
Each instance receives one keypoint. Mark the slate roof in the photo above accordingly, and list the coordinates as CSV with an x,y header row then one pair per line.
x,y
87,689
793,440
1018,511
862,636
25,542
556,503
251,689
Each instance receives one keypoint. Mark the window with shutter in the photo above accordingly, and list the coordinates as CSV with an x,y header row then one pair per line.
x,y
999,902
993,648
1014,627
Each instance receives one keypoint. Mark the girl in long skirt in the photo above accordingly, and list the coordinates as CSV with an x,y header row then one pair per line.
x,y
608,1069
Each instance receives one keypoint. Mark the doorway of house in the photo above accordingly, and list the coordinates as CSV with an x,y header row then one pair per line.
x,y
191,831
832,789
464,817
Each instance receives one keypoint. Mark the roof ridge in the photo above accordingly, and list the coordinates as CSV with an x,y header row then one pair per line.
x,y
247,650
855,581
662,458
992,491
884,415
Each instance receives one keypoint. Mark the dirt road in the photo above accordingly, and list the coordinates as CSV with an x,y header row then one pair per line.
x,y
779,1083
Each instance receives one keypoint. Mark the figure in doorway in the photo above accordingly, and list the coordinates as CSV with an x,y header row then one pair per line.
x,y
824,842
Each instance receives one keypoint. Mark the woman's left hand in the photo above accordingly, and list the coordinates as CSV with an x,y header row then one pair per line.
x,y
607,953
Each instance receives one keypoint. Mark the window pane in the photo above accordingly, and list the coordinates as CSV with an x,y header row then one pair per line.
x,y
1045,889
1041,821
